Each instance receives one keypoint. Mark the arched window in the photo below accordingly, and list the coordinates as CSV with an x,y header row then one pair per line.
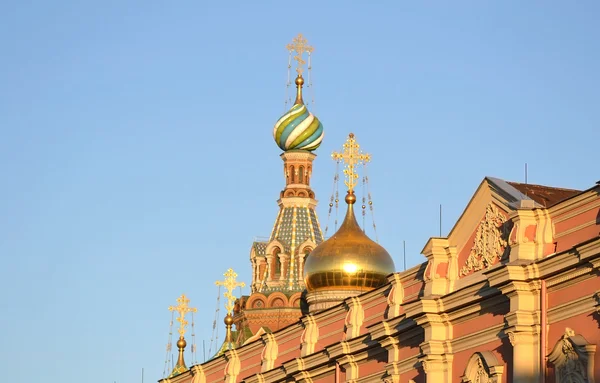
x,y
276,262
292,175
301,174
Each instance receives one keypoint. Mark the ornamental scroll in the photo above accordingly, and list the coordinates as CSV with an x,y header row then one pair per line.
x,y
490,242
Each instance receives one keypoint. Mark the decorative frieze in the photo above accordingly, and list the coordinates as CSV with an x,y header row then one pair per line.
x,y
490,242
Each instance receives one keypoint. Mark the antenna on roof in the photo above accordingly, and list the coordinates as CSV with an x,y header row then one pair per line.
x,y
440,220
404,246
525,173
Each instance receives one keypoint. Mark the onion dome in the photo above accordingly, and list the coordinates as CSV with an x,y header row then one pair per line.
x,y
349,260
298,128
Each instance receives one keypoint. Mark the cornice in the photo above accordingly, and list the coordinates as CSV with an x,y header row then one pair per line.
x,y
574,202
478,339
297,202
572,308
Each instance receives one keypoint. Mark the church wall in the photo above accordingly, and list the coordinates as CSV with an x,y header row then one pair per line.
x,y
289,344
331,328
250,358
480,322
416,375
373,367
374,309
576,224
572,289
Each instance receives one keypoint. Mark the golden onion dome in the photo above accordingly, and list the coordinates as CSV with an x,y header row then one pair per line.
x,y
349,260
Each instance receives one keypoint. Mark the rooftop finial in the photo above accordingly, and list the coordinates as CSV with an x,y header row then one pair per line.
x,y
299,45
230,283
182,308
352,156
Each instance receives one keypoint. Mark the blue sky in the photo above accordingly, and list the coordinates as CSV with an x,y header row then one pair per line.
x,y
138,163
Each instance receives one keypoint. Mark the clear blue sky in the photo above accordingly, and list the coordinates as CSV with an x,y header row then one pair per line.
x,y
137,160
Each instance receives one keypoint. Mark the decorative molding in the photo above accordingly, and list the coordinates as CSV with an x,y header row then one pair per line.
x,y
232,368
198,373
490,242
310,335
395,297
597,298
483,367
573,359
572,308
354,318
269,353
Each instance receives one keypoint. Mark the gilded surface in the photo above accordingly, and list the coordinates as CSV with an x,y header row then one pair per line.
x,y
182,308
352,156
299,45
348,260
230,284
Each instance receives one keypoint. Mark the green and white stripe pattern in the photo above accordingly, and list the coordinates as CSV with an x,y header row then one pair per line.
x,y
298,129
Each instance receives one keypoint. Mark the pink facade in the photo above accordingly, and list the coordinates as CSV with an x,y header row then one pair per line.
x,y
473,311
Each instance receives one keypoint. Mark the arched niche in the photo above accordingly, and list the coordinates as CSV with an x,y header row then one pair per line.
x,y
483,367
573,359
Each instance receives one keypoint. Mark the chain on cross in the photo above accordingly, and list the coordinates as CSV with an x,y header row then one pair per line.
x,y
352,156
230,284
182,308
299,45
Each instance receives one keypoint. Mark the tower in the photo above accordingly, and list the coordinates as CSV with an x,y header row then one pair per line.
x,y
278,262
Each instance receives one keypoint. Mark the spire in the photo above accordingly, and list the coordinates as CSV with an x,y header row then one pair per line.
x,y
182,308
299,83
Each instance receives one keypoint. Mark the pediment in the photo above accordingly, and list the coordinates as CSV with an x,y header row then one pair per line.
x,y
480,236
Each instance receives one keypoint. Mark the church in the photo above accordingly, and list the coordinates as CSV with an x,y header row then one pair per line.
x,y
512,294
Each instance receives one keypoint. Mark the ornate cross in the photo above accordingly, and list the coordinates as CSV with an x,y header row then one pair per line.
x,y
299,45
352,156
182,308
230,284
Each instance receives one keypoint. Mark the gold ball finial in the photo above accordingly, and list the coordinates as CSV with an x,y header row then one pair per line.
x,y
299,80
351,135
350,198
181,343
228,320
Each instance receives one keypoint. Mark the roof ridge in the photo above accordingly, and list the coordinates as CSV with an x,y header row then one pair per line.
x,y
544,186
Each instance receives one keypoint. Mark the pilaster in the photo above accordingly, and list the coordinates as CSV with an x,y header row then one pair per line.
x,y
436,349
523,329
531,235
437,280
395,296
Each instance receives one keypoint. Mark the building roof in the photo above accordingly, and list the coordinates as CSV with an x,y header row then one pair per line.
x,y
546,196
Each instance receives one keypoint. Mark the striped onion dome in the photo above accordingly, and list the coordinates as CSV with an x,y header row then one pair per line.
x,y
298,128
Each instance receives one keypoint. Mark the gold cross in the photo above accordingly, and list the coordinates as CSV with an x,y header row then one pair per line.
x,y
299,45
182,308
352,157
230,283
